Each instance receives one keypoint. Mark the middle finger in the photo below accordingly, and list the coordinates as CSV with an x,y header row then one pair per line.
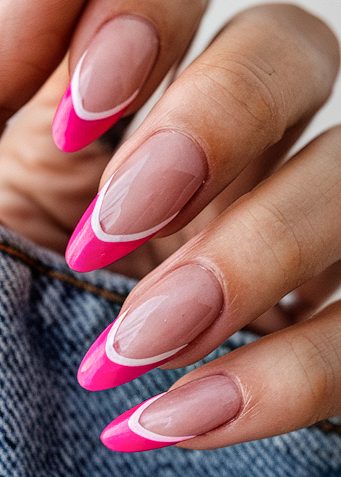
x,y
271,68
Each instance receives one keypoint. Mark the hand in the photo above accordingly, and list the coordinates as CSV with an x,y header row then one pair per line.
x,y
224,125
43,191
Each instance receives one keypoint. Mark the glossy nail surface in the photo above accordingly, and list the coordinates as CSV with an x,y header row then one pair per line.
x,y
164,320
144,195
180,414
171,314
106,80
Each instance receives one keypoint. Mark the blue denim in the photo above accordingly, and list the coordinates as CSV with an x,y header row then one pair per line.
x,y
49,426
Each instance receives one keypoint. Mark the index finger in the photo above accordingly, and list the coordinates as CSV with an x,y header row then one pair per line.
x,y
35,37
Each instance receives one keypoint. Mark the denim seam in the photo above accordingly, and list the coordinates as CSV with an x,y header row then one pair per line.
x,y
40,267
326,426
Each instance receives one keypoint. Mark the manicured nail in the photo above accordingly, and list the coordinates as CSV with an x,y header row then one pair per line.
x,y
178,415
144,195
106,80
163,321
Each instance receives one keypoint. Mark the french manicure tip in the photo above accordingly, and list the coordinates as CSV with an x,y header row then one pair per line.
x,y
93,254
72,133
119,437
97,372
86,252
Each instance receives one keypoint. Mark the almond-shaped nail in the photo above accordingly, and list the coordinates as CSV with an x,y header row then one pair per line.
x,y
144,195
162,322
107,78
178,415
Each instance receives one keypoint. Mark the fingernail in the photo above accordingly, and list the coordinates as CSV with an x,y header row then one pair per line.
x,y
164,320
178,415
106,80
144,195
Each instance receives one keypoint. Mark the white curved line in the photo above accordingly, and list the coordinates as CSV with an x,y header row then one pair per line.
x,y
105,237
135,426
135,362
78,103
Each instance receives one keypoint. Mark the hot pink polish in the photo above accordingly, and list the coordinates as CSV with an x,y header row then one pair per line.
x,y
71,132
178,415
106,80
98,372
162,322
143,196
87,252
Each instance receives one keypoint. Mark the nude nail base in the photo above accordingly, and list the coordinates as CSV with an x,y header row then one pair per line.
x,y
190,410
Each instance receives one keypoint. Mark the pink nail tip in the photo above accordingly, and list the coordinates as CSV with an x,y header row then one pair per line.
x,y
86,252
144,195
125,433
97,372
193,409
102,367
71,133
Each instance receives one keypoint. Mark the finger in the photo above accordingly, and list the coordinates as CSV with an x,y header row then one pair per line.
x,y
234,102
42,192
283,382
134,264
120,53
34,39
277,237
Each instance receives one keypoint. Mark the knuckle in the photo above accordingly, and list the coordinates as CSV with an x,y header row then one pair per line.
x,y
315,358
278,12
246,89
280,239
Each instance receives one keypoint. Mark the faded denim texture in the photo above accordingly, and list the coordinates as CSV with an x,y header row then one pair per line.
x,y
49,426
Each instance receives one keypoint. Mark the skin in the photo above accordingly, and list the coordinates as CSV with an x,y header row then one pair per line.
x,y
264,241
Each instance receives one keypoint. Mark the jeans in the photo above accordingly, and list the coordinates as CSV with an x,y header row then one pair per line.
x,y
49,426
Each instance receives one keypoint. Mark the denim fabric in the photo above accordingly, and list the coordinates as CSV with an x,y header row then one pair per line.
x,y
49,426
